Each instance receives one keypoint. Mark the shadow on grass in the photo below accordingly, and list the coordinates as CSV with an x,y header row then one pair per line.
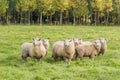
x,y
52,61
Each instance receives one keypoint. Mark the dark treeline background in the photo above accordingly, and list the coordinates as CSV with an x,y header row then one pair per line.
x,y
59,12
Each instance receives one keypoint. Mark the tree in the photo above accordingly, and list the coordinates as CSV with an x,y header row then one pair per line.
x,y
31,6
49,9
40,7
3,8
117,9
11,11
20,9
80,9
102,8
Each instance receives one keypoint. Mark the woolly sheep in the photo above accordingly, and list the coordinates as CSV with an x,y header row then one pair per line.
x,y
46,44
63,49
77,41
88,50
35,49
103,48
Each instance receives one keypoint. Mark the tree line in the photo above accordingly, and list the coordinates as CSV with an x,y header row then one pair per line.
x,y
59,12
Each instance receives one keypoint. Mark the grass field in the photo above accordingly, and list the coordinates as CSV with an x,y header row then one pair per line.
x,y
105,67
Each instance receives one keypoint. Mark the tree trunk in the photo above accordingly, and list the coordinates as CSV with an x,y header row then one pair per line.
x,y
7,19
74,22
68,18
118,13
107,18
26,18
79,20
20,17
40,19
95,18
14,18
60,17
29,17
0,21
31,21
50,19
84,19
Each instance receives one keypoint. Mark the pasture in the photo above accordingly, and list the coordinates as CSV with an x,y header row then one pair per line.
x,y
12,67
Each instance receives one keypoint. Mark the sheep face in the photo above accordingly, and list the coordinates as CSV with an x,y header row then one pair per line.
x,y
67,42
46,42
77,41
102,40
97,44
36,41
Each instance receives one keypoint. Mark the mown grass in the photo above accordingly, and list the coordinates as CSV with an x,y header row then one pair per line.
x,y
105,67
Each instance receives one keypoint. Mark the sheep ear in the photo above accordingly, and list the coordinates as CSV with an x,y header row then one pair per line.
x,y
105,39
70,40
40,39
80,39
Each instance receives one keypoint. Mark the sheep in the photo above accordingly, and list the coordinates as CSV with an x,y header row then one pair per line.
x,y
88,50
63,49
103,48
77,41
35,49
86,42
46,44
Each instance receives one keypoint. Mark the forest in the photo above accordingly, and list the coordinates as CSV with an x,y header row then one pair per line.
x,y
60,12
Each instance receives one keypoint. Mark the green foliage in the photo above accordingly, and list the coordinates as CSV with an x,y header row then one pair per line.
x,y
105,67
3,7
25,5
66,11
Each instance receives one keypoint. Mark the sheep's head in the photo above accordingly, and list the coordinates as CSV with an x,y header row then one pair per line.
x,y
103,40
97,44
46,42
37,41
67,42
77,41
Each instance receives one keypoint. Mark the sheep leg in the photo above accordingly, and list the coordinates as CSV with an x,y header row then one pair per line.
x,y
55,57
92,57
67,60
24,56
98,54
76,55
38,58
80,55
46,53
102,53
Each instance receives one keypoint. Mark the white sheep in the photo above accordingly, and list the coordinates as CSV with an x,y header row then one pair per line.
x,y
63,49
88,50
35,49
103,48
77,41
46,44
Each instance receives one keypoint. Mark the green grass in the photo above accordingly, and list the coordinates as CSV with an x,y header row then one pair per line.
x,y
105,67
